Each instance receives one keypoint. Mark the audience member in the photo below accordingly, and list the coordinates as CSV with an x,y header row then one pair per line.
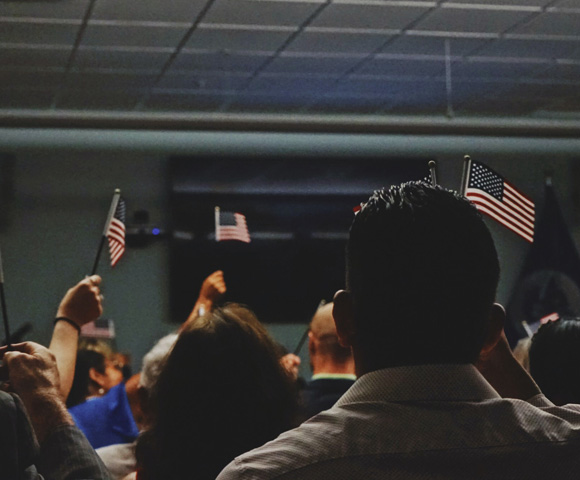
x,y
555,360
38,438
221,392
95,375
113,418
332,364
120,458
418,312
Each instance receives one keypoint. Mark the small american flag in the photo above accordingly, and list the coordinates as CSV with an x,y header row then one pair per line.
x,y
116,233
231,226
494,196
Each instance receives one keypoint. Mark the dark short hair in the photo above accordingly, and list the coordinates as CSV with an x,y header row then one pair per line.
x,y
555,360
423,272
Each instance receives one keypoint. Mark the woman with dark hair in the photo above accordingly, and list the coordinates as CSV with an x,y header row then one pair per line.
x,y
222,392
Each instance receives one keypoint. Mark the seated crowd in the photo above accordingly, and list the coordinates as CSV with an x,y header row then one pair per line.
x,y
413,377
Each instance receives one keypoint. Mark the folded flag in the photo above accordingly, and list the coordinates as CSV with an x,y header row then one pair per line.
x,y
231,226
116,233
493,195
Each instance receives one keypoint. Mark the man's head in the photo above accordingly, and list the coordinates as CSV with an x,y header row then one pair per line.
x,y
422,272
327,355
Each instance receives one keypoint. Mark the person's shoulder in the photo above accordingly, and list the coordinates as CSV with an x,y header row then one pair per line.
x,y
293,451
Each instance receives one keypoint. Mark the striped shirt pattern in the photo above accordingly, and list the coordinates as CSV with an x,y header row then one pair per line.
x,y
494,196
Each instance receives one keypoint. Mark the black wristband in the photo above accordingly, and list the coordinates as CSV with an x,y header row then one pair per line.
x,y
69,321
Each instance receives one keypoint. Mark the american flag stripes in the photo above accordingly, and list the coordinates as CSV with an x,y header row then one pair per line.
x,y
116,233
494,196
231,226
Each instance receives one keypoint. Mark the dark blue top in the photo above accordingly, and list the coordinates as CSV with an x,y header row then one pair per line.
x,y
106,420
321,394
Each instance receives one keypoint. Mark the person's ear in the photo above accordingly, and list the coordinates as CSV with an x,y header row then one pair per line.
x,y
343,314
495,326
96,376
311,343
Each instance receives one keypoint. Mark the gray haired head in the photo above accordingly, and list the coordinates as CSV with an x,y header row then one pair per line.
x,y
154,359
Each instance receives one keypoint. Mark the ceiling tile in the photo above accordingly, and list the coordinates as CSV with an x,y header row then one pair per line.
x,y
220,61
292,85
313,64
118,59
564,72
110,100
38,33
184,103
552,24
567,4
492,106
373,85
237,40
31,79
148,10
250,12
531,3
531,49
34,57
403,67
261,103
20,98
467,20
202,81
71,9
337,42
346,105
428,45
367,16
132,36
95,81
506,70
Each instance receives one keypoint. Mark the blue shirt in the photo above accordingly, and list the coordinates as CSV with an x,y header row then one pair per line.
x,y
106,420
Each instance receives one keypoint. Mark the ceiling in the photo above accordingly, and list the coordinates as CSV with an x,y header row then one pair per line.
x,y
493,59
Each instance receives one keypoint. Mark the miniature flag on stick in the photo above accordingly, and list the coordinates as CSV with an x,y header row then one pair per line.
x,y
3,300
495,196
230,226
114,231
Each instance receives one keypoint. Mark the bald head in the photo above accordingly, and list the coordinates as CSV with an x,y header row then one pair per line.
x,y
322,323
326,353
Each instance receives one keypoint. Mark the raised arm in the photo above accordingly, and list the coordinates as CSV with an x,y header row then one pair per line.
x,y
212,289
80,305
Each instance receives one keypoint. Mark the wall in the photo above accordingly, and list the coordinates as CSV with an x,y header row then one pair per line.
x,y
63,184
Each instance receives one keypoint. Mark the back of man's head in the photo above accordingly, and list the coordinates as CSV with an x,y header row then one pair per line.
x,y
423,271
323,333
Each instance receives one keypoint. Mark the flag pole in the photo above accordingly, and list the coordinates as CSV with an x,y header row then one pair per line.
x,y
305,334
433,168
114,204
3,301
217,221
465,176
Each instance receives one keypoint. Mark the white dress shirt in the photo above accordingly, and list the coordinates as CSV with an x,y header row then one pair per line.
x,y
423,422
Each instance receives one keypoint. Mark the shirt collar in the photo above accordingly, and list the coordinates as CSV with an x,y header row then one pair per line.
x,y
339,376
445,382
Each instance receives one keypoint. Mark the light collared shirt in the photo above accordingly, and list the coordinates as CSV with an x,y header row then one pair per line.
x,y
423,422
